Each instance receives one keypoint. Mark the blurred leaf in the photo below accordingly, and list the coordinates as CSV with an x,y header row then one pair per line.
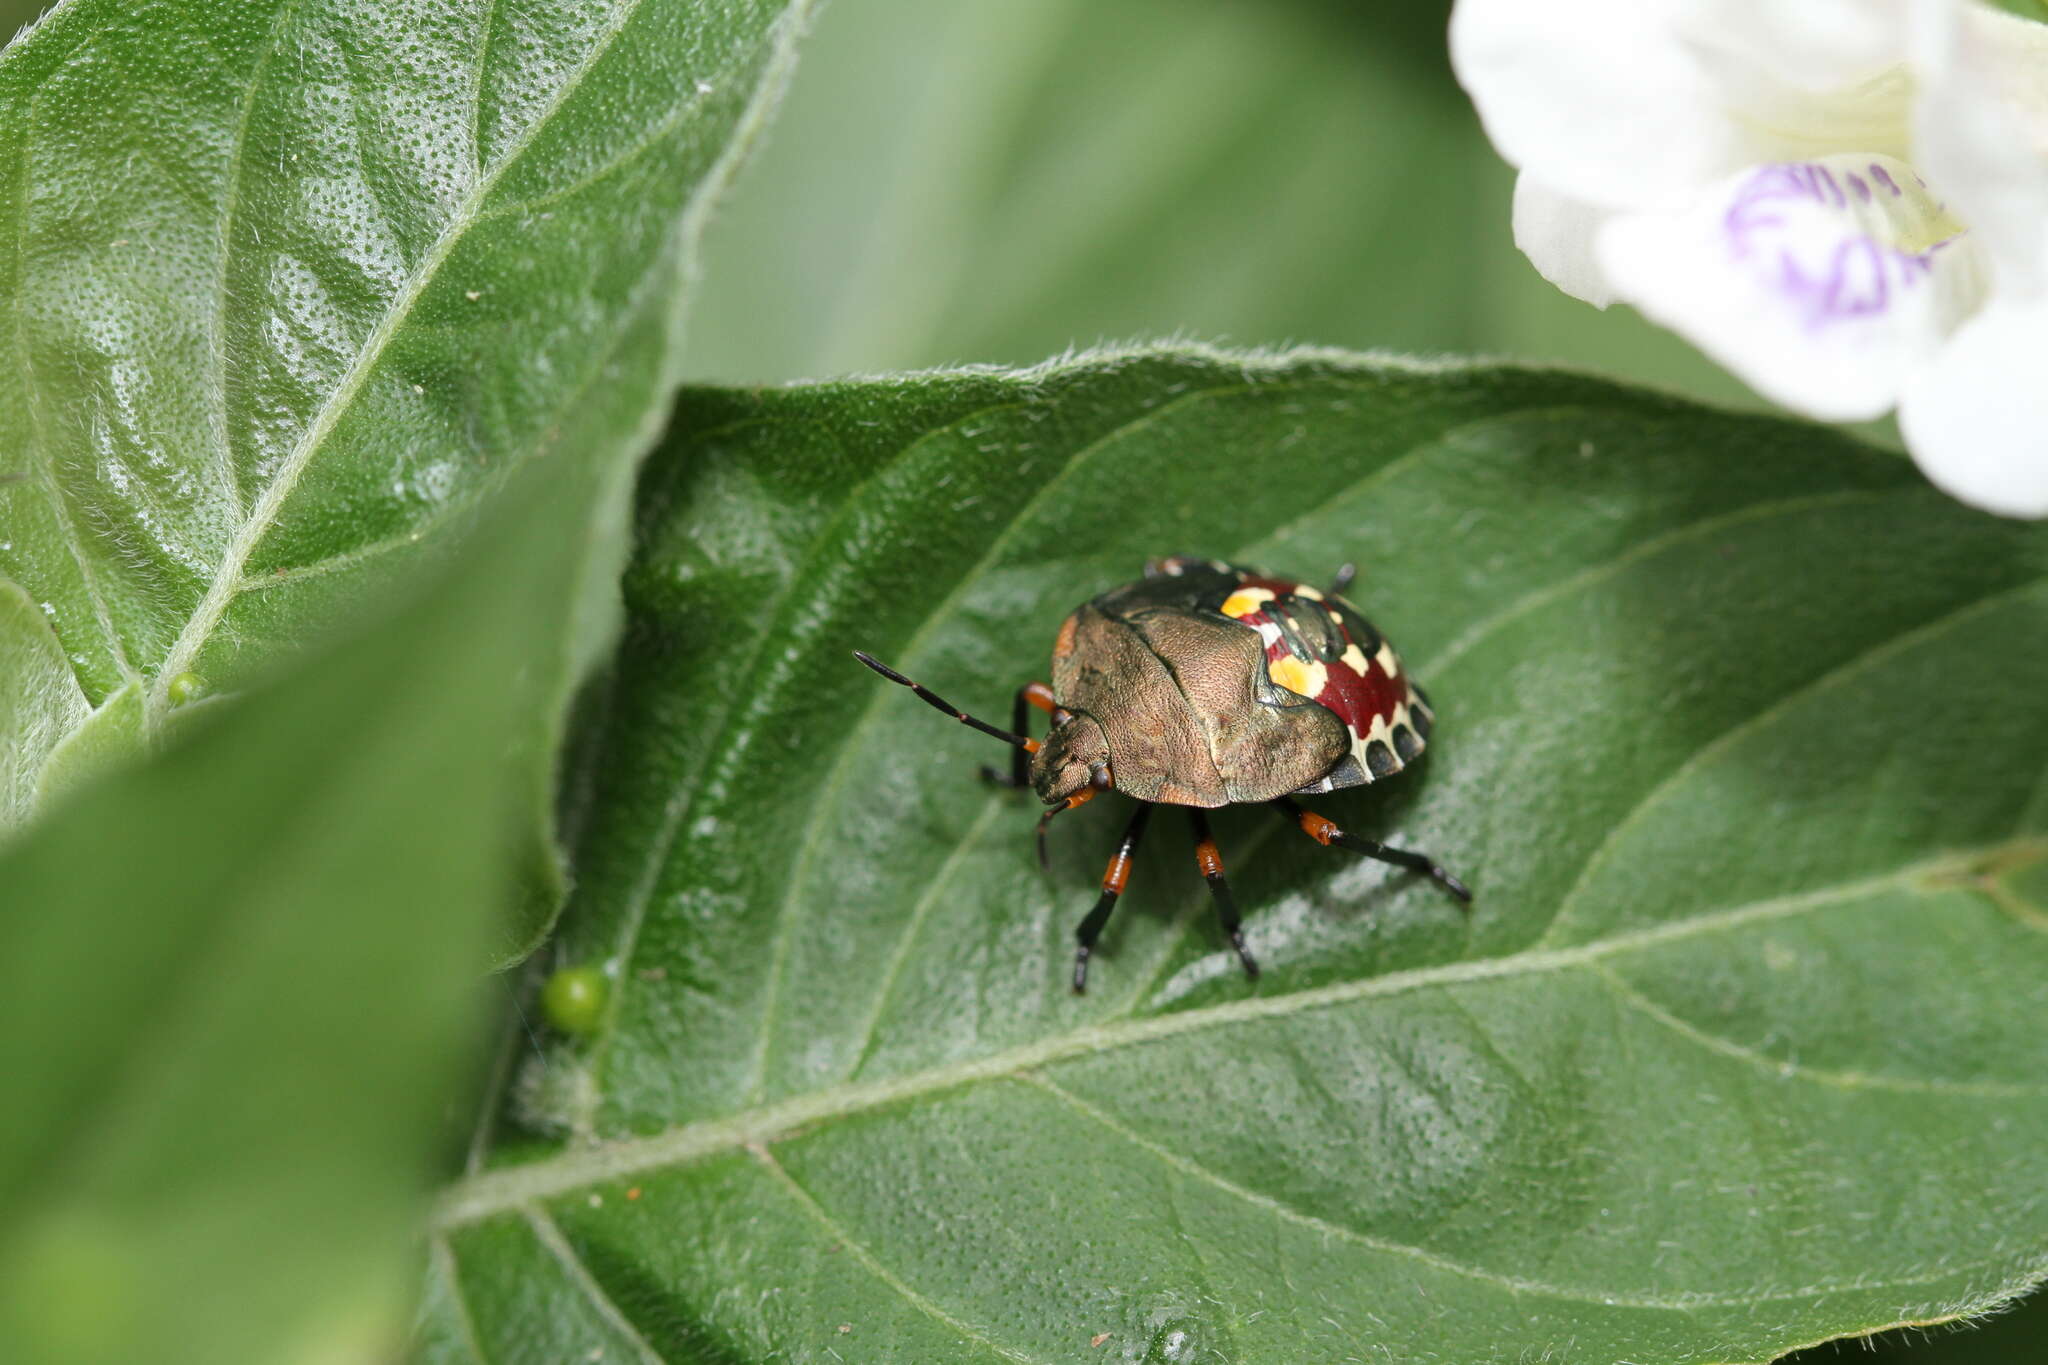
x,y
1740,745
239,977
994,182
2036,10
293,285
14,14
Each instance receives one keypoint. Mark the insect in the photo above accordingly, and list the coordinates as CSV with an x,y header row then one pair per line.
x,y
1205,684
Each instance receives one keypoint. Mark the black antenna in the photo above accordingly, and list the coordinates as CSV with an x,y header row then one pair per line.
x,y
1019,741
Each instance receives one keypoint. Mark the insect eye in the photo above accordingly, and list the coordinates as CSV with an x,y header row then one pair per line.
x,y
1099,778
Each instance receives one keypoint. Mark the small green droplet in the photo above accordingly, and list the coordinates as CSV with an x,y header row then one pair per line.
x,y
186,687
573,1000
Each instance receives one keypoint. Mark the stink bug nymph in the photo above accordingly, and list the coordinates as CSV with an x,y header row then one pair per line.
x,y
1201,685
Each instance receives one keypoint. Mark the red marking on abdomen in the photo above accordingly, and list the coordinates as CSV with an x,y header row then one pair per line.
x,y
1360,701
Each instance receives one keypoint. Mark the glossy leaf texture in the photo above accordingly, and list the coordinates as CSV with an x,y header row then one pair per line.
x,y
1739,1047
242,977
291,286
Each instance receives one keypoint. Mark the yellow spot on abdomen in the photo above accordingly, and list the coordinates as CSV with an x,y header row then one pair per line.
x,y
1305,680
1245,601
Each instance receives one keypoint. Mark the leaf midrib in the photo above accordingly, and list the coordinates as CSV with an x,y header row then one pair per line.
x,y
227,579
485,1195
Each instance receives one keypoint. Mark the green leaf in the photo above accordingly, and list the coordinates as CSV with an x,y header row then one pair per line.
x,y
1735,1050
2001,1339
240,977
2025,9
40,702
292,286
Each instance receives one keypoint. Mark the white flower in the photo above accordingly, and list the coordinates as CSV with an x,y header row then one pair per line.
x,y
1843,201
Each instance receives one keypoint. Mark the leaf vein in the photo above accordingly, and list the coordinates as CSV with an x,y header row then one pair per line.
x,y
549,1234
716,752
213,605
633,152
493,1192
479,67
1528,602
1538,598
835,779
1345,1232
39,441
224,227
1863,659
444,1260
348,559
767,91
1786,1069
911,925
812,1209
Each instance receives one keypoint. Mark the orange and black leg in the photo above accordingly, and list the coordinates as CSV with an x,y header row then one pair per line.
x,y
1114,878
1326,832
1211,863
1079,798
1029,695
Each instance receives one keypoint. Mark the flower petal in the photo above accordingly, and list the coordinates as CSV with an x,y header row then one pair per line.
x,y
1556,233
1822,283
1599,99
1976,419
1981,129
1814,45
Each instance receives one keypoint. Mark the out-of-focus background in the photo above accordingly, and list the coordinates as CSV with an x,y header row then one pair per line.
x,y
1000,180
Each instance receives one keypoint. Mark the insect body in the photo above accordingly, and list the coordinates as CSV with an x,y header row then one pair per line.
x,y
1204,684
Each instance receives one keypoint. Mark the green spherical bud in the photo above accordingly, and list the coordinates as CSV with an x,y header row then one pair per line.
x,y
573,1000
186,687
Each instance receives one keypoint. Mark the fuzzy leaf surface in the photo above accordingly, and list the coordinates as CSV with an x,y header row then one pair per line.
x,y
1741,1045
291,286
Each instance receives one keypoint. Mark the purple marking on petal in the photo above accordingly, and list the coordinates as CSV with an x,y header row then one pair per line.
x,y
1848,274
1857,281
1776,182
